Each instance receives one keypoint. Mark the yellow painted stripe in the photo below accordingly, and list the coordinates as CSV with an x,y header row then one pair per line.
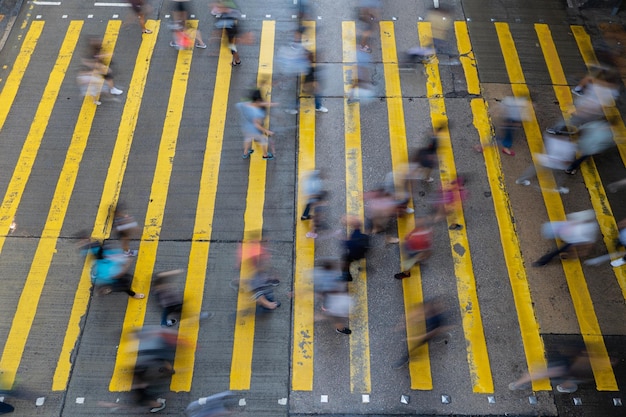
x,y
419,368
589,56
121,379
303,302
360,380
477,356
29,299
468,60
589,327
38,126
108,201
590,174
243,344
203,226
14,79
529,328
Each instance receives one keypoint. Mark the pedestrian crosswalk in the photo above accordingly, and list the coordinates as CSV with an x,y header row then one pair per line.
x,y
171,150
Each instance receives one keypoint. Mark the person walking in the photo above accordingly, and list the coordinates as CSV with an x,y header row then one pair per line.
x,y
125,226
432,316
580,230
228,15
180,14
253,114
417,246
109,267
139,8
354,248
594,138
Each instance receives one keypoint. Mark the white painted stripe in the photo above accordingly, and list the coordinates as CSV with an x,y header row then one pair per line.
x,y
47,3
99,4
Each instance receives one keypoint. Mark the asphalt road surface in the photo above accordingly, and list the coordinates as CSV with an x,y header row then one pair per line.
x,y
170,149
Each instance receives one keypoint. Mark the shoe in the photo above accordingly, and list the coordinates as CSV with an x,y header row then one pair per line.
x,y
568,389
159,408
455,226
311,235
205,315
268,156
97,103
563,190
538,264
146,31
508,152
291,111
273,282
429,179
577,92
571,171
392,240
552,131
402,275
235,64
305,218
251,151
277,304
322,110
116,91
171,322
365,49
345,330
173,44
400,363
409,210
130,252
522,182
618,262
245,155
201,45
514,387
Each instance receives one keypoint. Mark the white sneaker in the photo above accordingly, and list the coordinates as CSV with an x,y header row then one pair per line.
x,y
618,262
409,210
322,110
116,91
97,102
291,111
131,252
522,182
563,190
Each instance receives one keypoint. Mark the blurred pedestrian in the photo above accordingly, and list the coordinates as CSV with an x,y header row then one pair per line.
x,y
598,90
368,12
96,76
170,298
255,270
621,227
228,16
558,155
580,230
445,200
125,227
432,317
109,266
594,138
180,14
417,246
423,160
313,189
140,8
354,248
217,405
380,208
361,87
311,85
568,365
513,112
253,115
